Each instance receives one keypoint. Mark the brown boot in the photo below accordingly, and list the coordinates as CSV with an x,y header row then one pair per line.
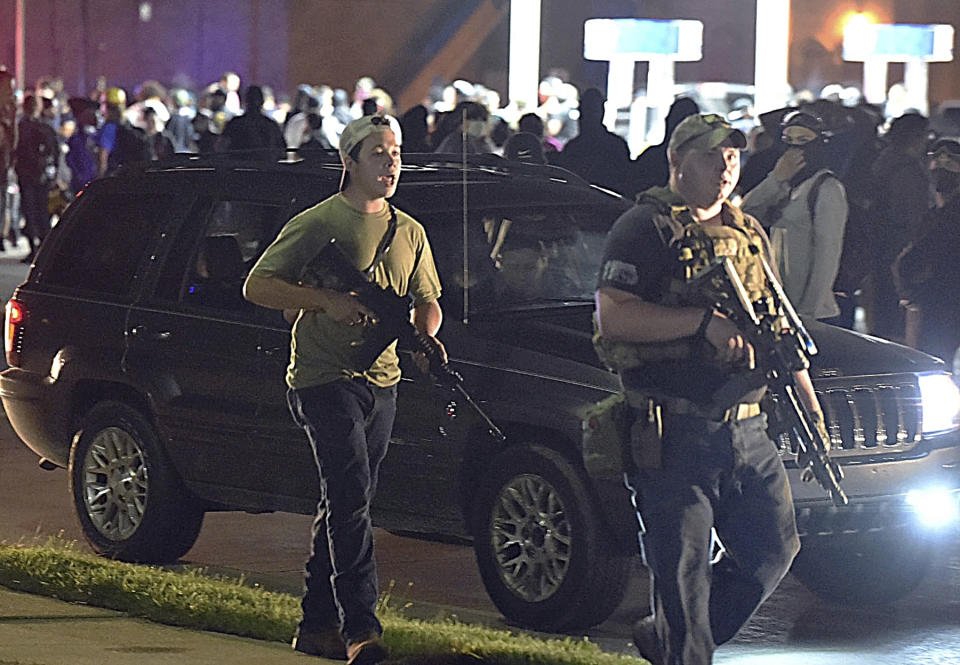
x,y
367,652
326,643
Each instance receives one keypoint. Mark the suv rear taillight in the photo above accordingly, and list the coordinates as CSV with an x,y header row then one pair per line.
x,y
11,338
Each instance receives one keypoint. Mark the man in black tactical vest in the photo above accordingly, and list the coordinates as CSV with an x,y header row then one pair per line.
x,y
699,455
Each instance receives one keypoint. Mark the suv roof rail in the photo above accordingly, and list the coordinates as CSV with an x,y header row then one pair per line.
x,y
486,162
490,161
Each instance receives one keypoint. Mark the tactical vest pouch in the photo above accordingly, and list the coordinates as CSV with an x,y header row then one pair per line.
x,y
606,428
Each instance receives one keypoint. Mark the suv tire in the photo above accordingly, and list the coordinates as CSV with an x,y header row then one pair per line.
x,y
864,568
131,503
539,543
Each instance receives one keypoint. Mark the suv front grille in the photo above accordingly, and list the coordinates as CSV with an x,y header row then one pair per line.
x,y
876,418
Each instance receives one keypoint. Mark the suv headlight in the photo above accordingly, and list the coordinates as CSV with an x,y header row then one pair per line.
x,y
940,400
935,506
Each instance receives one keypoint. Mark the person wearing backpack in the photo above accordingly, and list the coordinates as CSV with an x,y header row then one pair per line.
x,y
805,207
118,141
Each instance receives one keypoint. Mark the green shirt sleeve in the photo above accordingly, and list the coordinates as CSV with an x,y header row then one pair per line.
x,y
424,282
300,240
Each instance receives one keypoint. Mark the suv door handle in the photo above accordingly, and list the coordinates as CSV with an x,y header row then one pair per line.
x,y
142,332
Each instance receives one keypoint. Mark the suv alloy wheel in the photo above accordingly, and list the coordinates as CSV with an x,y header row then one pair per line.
x,y
129,499
538,544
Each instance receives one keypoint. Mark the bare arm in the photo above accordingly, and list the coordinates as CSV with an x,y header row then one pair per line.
x,y
806,394
625,317
427,317
102,163
275,293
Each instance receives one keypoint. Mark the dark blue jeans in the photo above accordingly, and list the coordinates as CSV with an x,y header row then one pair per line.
x,y
348,424
729,477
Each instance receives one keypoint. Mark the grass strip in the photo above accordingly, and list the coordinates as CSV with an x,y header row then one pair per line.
x,y
194,600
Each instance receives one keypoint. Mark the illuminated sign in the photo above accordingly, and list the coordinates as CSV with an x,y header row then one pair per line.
x,y
898,42
642,39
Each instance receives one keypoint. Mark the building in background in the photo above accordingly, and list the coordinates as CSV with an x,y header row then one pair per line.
x,y
406,45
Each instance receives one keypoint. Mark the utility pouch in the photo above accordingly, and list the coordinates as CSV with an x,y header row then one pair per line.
x,y
606,429
646,434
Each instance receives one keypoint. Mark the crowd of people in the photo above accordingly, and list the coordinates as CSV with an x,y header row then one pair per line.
x,y
849,209
842,194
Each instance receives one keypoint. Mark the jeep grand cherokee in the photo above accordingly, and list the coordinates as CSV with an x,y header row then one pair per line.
x,y
136,364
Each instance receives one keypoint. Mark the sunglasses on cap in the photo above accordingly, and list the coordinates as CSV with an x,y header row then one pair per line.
x,y
945,155
379,120
941,148
684,135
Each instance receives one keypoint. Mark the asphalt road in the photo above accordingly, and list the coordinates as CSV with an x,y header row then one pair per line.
x,y
794,626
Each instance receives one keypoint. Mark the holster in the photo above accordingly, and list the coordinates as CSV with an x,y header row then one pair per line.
x,y
645,445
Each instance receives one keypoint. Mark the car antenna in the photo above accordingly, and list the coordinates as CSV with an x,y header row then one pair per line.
x,y
463,174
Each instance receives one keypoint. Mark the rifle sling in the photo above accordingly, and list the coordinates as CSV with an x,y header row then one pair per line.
x,y
384,245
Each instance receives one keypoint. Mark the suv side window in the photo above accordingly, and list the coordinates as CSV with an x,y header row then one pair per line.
x,y
103,242
210,261
522,256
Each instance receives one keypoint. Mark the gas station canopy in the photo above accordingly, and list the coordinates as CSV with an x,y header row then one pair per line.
x,y
642,39
898,42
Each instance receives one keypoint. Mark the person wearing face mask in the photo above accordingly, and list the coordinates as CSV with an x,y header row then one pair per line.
x,y
804,206
472,135
926,272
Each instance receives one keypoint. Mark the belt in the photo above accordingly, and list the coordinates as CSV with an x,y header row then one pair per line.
x,y
737,412
680,406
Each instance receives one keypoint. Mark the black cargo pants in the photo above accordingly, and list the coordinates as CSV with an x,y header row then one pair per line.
x,y
722,475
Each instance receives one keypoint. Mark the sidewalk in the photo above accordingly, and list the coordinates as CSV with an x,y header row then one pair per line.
x,y
35,630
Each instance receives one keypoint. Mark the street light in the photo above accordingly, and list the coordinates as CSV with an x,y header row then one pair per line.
x,y
524,66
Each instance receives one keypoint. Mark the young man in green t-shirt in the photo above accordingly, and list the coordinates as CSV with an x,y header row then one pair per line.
x,y
346,408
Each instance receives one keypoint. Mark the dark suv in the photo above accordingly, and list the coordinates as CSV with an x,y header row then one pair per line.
x,y
136,364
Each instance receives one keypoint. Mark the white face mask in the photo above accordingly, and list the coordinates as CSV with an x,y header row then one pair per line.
x,y
476,128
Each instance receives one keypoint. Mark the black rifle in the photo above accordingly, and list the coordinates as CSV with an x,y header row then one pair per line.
x,y
782,346
331,269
